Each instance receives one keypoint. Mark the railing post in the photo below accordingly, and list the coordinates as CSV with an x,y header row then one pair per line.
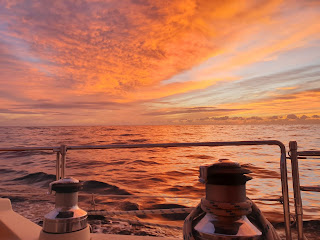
x,y
63,152
58,166
285,190
296,188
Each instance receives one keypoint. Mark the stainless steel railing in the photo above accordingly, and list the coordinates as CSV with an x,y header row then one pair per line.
x,y
294,155
61,152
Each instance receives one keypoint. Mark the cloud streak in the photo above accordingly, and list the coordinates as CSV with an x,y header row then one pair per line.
x,y
122,57
193,110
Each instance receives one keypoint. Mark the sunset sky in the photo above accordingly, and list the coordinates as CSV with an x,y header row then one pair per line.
x,y
90,62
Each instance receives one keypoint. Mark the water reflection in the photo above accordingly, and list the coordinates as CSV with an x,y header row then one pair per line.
x,y
161,171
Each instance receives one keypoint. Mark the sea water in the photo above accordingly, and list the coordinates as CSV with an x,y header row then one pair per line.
x,y
165,173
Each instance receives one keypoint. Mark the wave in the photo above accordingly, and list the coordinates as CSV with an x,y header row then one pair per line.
x,y
175,216
42,179
93,186
39,178
34,128
5,170
116,162
259,172
174,174
139,140
143,162
110,129
129,134
185,190
119,142
157,179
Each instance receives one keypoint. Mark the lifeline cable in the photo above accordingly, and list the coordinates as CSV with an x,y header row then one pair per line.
x,y
140,212
137,222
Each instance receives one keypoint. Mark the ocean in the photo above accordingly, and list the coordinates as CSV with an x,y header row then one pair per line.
x,y
165,173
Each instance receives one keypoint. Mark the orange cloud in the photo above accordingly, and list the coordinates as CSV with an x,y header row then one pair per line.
x,y
306,102
162,91
300,105
120,47
105,55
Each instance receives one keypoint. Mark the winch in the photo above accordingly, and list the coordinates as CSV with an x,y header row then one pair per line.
x,y
225,206
66,220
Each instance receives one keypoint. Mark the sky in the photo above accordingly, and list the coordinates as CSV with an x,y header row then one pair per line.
x,y
141,62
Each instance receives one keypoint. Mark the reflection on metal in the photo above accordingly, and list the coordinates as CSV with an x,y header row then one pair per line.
x,y
67,216
283,160
58,166
294,156
60,161
63,152
228,205
242,228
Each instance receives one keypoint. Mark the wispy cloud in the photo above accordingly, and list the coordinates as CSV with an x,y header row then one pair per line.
x,y
305,102
192,110
261,87
126,56
71,105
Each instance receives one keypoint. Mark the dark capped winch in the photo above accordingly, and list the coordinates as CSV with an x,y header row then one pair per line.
x,y
226,205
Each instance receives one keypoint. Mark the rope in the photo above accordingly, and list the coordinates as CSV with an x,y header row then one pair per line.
x,y
137,222
137,196
226,209
140,212
267,229
231,210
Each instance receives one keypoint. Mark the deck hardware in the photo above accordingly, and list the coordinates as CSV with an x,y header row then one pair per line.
x,y
66,217
225,205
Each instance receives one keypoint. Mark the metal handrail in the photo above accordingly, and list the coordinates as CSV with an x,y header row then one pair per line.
x,y
310,188
19,149
309,153
297,188
62,150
